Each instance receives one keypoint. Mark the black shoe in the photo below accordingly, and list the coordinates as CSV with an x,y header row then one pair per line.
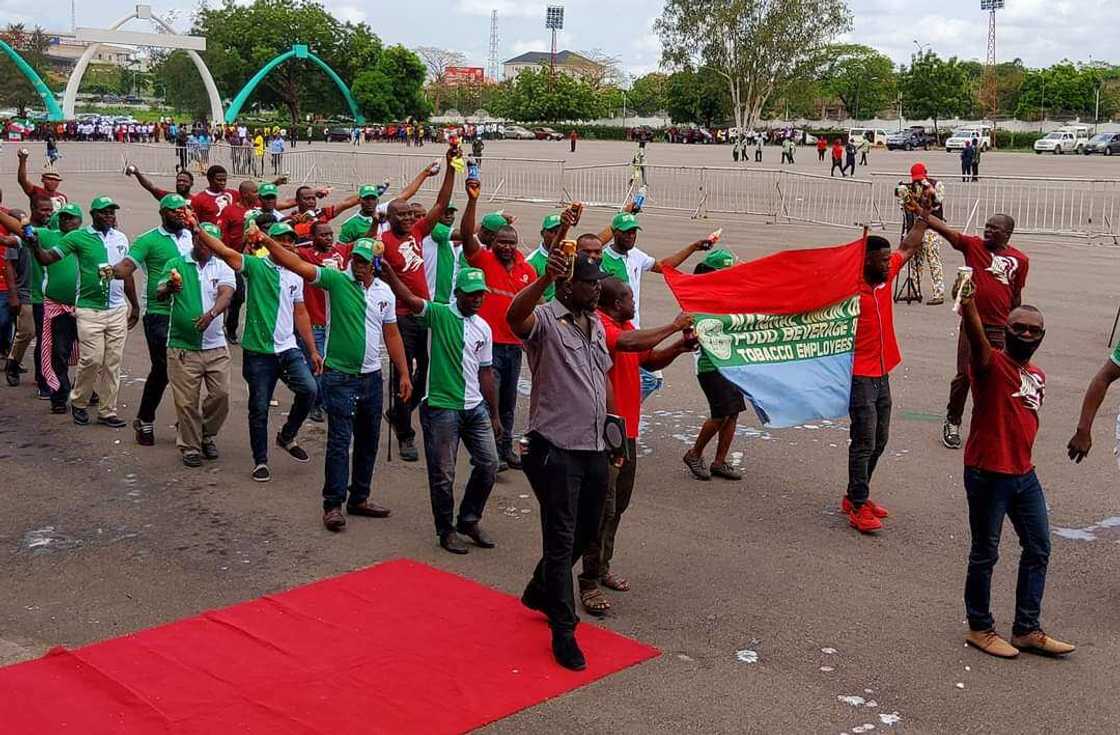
x,y
81,416
209,448
113,421
317,415
502,465
295,450
530,601
566,651
12,374
454,543
58,408
408,451
145,433
44,395
94,399
475,533
261,473
513,460
192,459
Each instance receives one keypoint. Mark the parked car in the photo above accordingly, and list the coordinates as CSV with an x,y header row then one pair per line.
x,y
877,136
915,137
1106,143
957,140
337,135
1057,142
697,135
516,132
547,134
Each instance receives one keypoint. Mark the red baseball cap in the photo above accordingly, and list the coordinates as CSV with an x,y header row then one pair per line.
x,y
918,172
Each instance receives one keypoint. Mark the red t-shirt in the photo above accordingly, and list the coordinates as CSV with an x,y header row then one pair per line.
x,y
232,222
58,199
1005,402
504,285
405,255
303,229
208,205
626,382
999,277
876,352
837,152
315,299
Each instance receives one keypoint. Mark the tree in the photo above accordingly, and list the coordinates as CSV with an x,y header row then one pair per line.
x,y
753,45
697,97
437,60
531,97
861,77
935,88
394,88
604,71
178,82
32,46
647,94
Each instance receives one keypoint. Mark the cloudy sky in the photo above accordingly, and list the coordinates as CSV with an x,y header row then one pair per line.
x,y
1038,31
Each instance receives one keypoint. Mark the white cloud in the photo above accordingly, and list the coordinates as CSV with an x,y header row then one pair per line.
x,y
505,8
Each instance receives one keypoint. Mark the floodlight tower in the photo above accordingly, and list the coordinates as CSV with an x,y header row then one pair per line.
x,y
989,90
495,41
553,21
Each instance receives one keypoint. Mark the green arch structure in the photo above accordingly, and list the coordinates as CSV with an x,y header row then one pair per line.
x,y
54,112
298,51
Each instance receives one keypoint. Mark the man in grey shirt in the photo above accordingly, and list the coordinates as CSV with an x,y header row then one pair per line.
x,y
25,323
566,460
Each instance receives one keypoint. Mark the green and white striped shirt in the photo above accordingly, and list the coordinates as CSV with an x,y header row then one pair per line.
x,y
271,293
459,347
356,316
196,297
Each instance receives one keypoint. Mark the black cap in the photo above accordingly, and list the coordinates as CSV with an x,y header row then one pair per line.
x,y
587,269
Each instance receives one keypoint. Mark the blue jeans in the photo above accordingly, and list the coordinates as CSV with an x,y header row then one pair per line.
x,y
507,369
992,496
7,325
443,429
320,336
651,383
353,404
261,372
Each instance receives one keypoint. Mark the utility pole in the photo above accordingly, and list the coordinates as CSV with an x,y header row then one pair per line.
x,y
493,72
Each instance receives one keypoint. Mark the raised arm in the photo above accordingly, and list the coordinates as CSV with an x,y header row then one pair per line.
x,y
1082,440
952,236
145,183
414,186
979,348
404,295
674,260
21,174
520,315
286,258
913,240
640,340
467,220
10,223
231,257
348,203
607,234
444,196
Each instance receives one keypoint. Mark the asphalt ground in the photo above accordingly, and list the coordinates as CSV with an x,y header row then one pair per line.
x,y
100,537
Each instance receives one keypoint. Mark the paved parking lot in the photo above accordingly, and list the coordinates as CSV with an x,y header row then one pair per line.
x,y
100,538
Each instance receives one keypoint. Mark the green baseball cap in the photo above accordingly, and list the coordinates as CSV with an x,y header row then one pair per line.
x,y
367,249
719,259
267,190
172,201
624,222
71,209
494,221
550,221
471,280
100,203
451,207
280,228
368,190
211,229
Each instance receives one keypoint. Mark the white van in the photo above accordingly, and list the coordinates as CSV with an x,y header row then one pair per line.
x,y
983,133
876,136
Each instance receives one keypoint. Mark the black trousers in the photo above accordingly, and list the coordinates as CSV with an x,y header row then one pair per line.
x,y
870,411
233,313
571,487
155,332
64,333
415,339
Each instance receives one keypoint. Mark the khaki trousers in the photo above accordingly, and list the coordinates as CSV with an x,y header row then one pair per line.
x,y
25,332
101,335
187,370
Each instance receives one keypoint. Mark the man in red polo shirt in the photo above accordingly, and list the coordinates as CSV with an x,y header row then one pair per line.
x,y
507,272
876,354
209,203
49,189
630,350
404,252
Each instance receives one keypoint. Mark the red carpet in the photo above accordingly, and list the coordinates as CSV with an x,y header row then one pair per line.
x,y
396,648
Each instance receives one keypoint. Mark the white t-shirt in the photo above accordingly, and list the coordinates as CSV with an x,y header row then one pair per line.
x,y
633,264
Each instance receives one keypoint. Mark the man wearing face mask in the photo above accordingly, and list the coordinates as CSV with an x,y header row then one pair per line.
x,y
999,476
566,458
151,252
1000,274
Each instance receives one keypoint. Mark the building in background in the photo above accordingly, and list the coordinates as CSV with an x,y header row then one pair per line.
x,y
567,62
64,51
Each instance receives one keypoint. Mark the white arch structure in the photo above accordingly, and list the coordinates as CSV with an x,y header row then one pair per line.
x,y
191,44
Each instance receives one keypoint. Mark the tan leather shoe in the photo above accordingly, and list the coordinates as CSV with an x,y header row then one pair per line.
x,y
1038,642
991,643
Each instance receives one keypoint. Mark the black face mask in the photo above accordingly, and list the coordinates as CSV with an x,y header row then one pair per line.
x,y
1021,349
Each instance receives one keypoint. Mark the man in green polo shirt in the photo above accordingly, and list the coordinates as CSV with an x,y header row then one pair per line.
x,y
274,314
197,289
362,319
462,404
539,257
150,252
442,257
58,329
362,222
103,315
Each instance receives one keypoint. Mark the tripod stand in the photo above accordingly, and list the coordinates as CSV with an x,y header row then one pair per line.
x,y
909,288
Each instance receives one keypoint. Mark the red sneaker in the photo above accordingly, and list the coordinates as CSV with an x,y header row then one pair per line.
x,y
877,510
863,520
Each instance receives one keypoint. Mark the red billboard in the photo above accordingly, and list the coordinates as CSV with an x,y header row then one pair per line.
x,y
464,75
